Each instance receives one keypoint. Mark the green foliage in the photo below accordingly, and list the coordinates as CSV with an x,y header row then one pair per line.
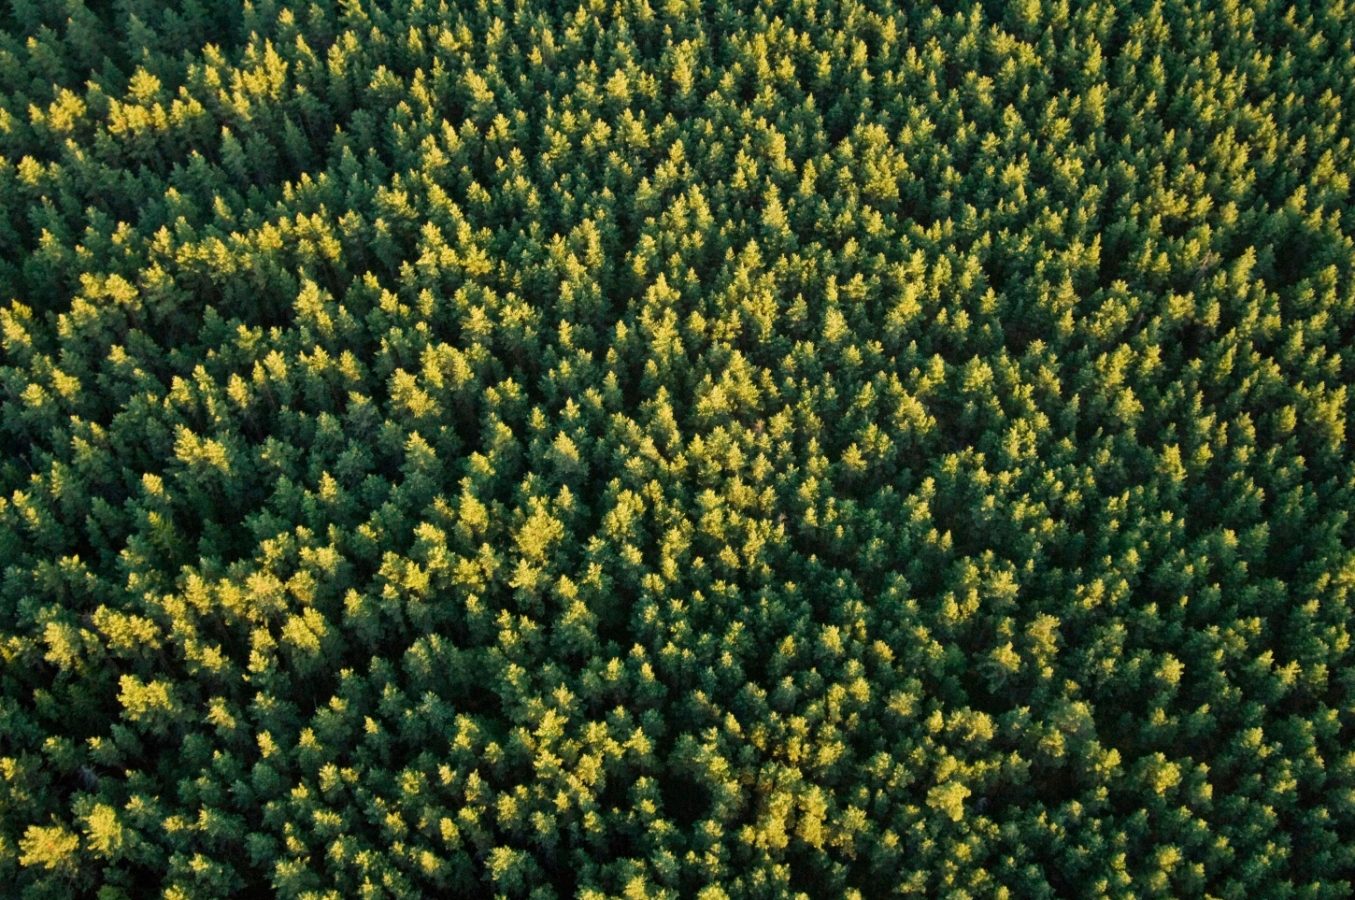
x,y
662,449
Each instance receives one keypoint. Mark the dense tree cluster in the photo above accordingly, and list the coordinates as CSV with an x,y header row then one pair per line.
x,y
652,448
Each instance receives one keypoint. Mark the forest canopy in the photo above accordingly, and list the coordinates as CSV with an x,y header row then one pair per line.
x,y
653,448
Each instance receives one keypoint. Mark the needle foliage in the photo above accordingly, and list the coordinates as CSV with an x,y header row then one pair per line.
x,y
655,448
